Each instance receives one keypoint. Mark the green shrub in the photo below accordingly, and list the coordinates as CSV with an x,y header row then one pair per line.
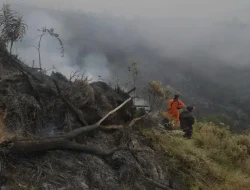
x,y
214,159
218,119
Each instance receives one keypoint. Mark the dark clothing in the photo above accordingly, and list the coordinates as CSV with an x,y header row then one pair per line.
x,y
188,132
186,122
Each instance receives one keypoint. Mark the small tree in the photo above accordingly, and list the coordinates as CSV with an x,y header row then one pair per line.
x,y
157,94
18,31
12,25
44,31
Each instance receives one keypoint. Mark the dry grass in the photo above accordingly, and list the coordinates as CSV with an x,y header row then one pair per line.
x,y
54,169
213,159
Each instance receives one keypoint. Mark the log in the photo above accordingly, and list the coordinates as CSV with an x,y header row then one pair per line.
x,y
62,142
40,145
24,147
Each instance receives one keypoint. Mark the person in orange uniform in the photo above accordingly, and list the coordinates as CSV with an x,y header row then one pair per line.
x,y
174,105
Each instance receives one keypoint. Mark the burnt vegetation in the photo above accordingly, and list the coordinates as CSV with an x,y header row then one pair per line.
x,y
68,133
71,133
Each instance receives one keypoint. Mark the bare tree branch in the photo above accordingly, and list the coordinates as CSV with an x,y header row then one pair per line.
x,y
81,130
132,90
61,142
34,47
136,119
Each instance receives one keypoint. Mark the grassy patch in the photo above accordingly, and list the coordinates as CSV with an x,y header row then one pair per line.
x,y
213,159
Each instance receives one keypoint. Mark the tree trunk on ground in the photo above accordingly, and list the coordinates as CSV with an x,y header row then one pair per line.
x,y
62,142
40,145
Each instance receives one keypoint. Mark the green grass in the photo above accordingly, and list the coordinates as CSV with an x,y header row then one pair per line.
x,y
214,159
218,119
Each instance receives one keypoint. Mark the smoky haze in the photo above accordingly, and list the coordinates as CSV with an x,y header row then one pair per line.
x,y
178,36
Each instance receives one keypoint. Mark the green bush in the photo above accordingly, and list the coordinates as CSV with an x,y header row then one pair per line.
x,y
213,159
218,119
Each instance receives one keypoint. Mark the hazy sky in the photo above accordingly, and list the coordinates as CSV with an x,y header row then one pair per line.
x,y
149,8
172,28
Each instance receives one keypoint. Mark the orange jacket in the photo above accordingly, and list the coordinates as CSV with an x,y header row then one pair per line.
x,y
173,110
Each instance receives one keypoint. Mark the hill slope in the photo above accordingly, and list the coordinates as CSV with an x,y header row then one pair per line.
x,y
40,144
213,159
132,155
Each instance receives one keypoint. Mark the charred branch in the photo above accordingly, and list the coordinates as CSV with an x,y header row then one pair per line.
x,y
59,143
132,123
132,90
82,130
24,147
142,106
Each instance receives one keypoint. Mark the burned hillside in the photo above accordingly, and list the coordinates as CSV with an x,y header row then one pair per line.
x,y
62,130
56,134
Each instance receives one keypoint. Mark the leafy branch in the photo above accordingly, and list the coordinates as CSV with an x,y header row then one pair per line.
x,y
13,27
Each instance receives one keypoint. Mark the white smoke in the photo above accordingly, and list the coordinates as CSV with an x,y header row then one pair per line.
x,y
96,66
148,40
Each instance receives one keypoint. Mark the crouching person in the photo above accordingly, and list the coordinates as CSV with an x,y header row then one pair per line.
x,y
187,121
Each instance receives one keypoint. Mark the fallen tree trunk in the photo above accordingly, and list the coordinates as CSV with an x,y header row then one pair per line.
x,y
28,146
24,147
62,142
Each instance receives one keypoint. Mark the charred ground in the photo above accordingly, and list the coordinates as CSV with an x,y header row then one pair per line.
x,y
41,108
